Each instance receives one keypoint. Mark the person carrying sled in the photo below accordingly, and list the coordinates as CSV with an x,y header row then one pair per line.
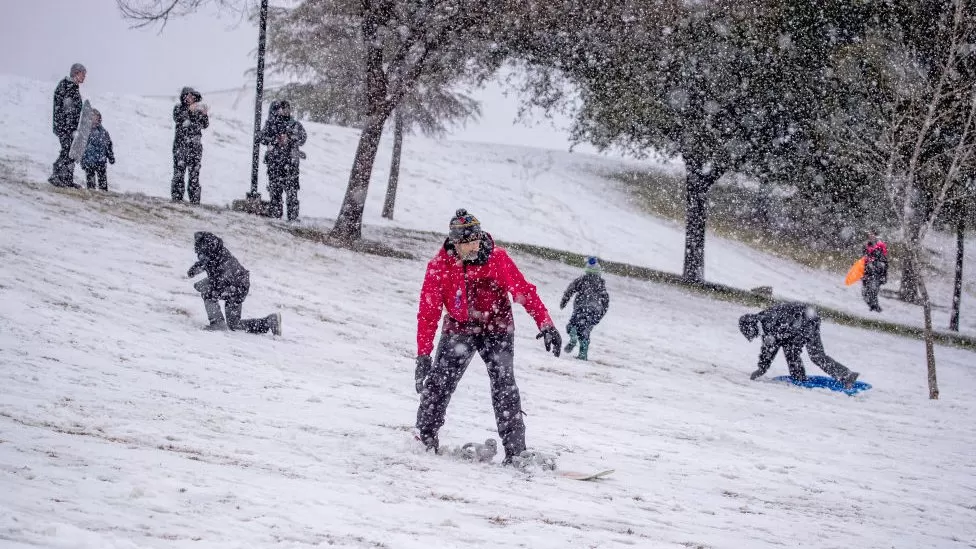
x,y
792,326
66,115
283,135
191,118
472,278
98,152
226,280
875,270
589,306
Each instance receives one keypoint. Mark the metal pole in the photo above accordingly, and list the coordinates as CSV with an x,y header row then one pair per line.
x,y
258,98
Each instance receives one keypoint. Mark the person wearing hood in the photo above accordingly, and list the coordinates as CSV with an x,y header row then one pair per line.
x,y
226,280
472,279
98,152
589,306
283,135
792,326
66,116
875,270
191,118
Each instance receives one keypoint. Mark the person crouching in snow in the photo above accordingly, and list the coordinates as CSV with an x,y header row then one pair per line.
x,y
97,152
591,303
471,277
792,326
226,280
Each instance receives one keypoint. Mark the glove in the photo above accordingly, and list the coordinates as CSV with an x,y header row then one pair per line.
x,y
553,341
423,368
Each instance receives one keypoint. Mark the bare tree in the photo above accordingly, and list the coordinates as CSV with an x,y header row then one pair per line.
x,y
145,13
919,137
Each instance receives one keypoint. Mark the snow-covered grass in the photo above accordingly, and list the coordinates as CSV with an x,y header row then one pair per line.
x,y
544,197
123,424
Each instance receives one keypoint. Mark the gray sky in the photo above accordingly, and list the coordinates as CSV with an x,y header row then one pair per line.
x,y
210,51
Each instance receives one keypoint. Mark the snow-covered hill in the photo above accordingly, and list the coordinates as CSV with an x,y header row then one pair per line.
x,y
522,194
123,424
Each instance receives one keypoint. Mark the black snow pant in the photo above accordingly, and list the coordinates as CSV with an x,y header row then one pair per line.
x,y
233,306
64,167
454,353
582,322
810,337
871,285
96,176
186,171
287,185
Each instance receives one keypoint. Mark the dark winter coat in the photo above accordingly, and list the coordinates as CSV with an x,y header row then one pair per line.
x,y
282,159
67,107
591,295
876,261
228,279
786,323
99,149
475,294
189,126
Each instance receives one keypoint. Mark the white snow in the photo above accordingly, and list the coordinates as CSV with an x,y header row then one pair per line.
x,y
122,424
538,196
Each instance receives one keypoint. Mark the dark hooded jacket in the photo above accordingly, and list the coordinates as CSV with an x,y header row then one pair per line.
x,y
591,295
282,160
189,125
783,324
228,279
67,107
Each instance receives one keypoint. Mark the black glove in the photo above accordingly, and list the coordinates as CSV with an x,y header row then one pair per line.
x,y
423,368
550,336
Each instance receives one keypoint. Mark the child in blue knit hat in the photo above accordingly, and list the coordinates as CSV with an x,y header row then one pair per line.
x,y
591,303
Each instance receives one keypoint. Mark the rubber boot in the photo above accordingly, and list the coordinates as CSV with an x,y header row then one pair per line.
x,y
584,347
214,315
572,341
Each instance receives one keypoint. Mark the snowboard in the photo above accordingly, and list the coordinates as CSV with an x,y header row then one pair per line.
x,y
80,141
822,382
576,475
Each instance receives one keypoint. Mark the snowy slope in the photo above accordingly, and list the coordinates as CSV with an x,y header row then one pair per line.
x,y
529,195
122,424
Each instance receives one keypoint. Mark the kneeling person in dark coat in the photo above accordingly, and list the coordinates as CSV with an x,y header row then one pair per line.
x,y
226,280
792,326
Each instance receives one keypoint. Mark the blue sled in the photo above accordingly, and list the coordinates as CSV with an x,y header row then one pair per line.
x,y
823,382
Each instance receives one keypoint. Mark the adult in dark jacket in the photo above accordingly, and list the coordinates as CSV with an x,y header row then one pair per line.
x,y
66,115
472,278
589,306
98,152
875,270
226,280
191,119
283,135
792,326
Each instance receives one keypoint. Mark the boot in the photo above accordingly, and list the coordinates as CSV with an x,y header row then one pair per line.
x,y
274,322
572,341
214,314
849,380
584,348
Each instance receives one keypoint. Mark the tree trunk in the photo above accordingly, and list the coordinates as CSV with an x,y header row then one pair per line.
x,y
957,287
349,223
911,267
697,185
929,342
391,186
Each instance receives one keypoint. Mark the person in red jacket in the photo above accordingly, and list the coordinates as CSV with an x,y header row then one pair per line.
x,y
472,278
875,270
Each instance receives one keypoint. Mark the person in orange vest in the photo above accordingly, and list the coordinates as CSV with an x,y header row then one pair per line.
x,y
875,269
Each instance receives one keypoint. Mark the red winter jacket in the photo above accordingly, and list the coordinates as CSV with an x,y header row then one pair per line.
x,y
475,294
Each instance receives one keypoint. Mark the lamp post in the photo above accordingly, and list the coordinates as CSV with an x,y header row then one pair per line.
x,y
254,195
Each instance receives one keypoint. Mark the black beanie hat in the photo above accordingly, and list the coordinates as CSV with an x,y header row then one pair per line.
x,y
464,227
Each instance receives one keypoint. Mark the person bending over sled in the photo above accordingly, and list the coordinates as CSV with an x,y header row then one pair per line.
x,y
229,281
471,278
792,326
591,303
